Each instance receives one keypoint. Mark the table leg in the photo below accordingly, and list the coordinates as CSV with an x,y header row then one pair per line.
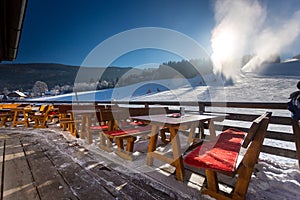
x,y
200,134
152,144
26,120
15,119
192,133
212,130
83,128
178,160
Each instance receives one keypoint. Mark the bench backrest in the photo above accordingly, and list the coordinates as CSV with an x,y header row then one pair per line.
x,y
64,108
256,137
256,124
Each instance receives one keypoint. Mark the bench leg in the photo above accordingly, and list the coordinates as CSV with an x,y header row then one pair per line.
x,y
212,180
242,183
105,142
126,154
152,144
130,143
120,143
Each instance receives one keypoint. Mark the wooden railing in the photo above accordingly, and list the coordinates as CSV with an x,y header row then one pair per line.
x,y
238,114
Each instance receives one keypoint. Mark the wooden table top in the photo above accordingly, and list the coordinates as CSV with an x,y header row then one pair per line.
x,y
168,119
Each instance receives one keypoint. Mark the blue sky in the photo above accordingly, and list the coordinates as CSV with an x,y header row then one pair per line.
x,y
65,31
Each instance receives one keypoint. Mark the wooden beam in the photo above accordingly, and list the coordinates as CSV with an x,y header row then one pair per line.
x,y
296,130
279,151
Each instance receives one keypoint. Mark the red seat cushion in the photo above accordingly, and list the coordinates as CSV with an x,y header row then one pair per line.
x,y
128,131
220,154
121,132
103,127
53,113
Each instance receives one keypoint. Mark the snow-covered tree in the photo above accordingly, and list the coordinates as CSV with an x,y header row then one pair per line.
x,y
39,88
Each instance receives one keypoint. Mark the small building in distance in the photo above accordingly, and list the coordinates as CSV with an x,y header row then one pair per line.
x,y
16,95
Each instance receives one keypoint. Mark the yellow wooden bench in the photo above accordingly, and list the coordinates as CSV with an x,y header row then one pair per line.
x,y
41,118
223,155
6,114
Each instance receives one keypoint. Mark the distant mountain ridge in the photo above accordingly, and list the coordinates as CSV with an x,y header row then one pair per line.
x,y
23,76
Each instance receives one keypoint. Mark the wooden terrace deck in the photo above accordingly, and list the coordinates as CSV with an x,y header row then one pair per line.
x,y
42,164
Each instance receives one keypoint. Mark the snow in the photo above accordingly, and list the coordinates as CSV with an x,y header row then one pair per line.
x,y
274,177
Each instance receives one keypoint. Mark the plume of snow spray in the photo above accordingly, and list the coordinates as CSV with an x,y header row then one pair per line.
x,y
241,30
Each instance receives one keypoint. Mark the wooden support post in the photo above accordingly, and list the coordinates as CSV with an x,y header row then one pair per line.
x,y
200,133
296,130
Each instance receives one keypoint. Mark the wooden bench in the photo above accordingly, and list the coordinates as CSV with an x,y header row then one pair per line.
x,y
40,118
21,115
123,131
6,114
223,155
66,119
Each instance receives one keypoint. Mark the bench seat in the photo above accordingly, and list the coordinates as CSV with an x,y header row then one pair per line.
x,y
226,146
99,128
128,131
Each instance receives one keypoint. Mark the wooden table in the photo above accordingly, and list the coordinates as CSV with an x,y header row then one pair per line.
x,y
21,113
189,121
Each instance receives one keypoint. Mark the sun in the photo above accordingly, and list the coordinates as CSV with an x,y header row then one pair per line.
x,y
224,45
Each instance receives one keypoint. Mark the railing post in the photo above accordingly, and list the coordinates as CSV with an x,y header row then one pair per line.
x,y
200,133
296,130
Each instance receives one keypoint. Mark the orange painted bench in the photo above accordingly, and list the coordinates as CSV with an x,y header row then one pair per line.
x,y
222,155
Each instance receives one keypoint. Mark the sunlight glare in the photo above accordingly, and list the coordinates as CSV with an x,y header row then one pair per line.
x,y
224,45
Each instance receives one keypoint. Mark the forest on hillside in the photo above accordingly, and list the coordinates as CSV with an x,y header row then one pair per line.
x,y
23,77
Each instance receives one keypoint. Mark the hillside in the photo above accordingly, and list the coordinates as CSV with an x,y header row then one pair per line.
x,y
23,76
289,68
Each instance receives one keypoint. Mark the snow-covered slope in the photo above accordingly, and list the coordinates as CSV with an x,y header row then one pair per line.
x,y
288,68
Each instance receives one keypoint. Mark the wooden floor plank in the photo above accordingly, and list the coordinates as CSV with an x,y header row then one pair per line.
x,y
119,186
48,181
58,169
17,181
83,184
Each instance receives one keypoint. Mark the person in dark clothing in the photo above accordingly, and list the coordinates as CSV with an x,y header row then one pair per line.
x,y
296,93
294,103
